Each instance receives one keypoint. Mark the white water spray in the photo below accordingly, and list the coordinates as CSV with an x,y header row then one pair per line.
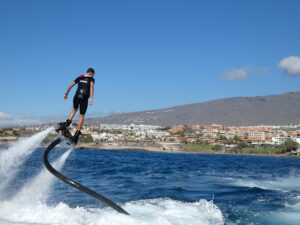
x,y
38,189
35,192
14,156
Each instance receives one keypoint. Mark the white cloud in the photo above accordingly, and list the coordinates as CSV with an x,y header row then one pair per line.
x,y
238,74
290,65
244,72
4,116
21,120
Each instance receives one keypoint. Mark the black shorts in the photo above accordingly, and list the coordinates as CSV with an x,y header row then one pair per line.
x,y
82,102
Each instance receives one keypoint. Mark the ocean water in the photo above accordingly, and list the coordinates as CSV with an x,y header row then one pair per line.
x,y
155,188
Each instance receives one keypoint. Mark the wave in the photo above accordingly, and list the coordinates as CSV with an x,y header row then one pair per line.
x,y
284,184
143,212
289,186
289,215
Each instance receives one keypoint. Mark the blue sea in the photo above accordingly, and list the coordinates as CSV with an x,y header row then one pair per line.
x,y
155,188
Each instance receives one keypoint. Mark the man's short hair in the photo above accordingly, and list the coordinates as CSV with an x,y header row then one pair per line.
x,y
90,70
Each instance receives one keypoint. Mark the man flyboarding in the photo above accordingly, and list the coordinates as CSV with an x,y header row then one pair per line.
x,y
84,91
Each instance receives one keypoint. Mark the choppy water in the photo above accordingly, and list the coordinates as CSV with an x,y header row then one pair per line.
x,y
155,188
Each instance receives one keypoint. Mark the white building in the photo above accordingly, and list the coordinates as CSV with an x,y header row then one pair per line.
x,y
131,127
280,140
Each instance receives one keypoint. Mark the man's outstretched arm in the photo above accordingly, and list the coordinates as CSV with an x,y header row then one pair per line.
x,y
69,88
92,93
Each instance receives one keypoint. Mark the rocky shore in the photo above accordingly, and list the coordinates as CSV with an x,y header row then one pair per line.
x,y
140,146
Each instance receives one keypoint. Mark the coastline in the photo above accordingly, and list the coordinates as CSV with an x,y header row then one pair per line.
x,y
179,150
162,147
133,146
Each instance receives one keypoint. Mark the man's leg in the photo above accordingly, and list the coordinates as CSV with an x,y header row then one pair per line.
x,y
78,133
72,114
83,107
80,121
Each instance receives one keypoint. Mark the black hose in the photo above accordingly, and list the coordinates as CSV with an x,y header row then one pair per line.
x,y
75,184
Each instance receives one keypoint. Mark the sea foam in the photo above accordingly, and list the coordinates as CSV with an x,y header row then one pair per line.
x,y
143,212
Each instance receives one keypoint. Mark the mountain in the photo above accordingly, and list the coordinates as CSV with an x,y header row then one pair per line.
x,y
238,111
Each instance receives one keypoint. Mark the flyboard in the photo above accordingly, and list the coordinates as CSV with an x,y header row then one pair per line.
x,y
67,135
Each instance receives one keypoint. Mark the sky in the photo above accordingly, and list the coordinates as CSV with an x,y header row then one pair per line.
x,y
146,54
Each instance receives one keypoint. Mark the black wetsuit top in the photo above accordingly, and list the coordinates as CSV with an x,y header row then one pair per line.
x,y
83,92
84,84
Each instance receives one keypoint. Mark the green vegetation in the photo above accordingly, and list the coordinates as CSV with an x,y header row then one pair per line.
x,y
9,131
242,145
188,131
48,138
236,138
110,131
86,138
164,128
16,133
3,130
223,138
249,150
200,142
217,148
96,130
288,146
198,147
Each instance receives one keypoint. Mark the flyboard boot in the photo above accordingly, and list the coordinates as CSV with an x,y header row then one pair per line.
x,y
65,124
76,136
62,129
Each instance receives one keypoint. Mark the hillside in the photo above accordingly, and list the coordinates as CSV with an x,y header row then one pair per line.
x,y
267,110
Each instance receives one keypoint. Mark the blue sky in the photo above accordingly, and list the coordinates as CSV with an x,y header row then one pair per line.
x,y
146,54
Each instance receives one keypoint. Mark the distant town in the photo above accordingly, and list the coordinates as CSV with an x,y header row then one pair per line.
x,y
217,138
